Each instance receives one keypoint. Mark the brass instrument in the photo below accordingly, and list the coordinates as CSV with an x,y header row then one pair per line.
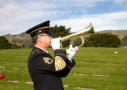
x,y
87,30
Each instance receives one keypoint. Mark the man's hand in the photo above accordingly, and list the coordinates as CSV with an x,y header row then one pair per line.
x,y
71,52
55,43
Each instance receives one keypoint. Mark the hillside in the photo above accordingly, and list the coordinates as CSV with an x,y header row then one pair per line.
x,y
119,33
25,40
22,39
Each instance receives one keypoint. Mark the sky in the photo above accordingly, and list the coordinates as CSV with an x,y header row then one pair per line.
x,y
17,16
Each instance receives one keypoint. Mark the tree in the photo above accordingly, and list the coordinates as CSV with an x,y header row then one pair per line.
x,y
103,40
4,44
60,31
76,41
124,41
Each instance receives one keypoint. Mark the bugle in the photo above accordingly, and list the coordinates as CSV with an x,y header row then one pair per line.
x,y
84,31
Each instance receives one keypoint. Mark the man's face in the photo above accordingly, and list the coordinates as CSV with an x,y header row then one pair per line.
x,y
45,39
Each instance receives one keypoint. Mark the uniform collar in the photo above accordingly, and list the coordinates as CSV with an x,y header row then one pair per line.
x,y
41,49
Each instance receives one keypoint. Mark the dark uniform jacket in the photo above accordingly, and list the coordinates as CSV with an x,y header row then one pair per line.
x,y
46,71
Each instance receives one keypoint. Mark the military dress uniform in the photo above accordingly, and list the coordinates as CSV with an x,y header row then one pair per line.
x,y
46,72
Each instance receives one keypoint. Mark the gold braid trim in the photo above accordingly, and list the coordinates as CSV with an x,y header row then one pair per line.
x,y
59,63
39,29
61,55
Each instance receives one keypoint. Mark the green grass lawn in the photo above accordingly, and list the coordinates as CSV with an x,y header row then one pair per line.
x,y
96,69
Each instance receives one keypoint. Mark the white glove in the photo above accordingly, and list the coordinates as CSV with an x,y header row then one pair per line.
x,y
55,43
71,52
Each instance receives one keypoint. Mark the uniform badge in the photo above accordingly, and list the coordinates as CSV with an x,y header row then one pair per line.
x,y
59,63
47,60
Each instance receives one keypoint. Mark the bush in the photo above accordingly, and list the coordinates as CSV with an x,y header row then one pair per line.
x,y
124,41
102,40
4,44
76,41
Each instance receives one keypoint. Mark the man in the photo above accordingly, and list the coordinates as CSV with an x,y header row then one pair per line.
x,y
46,71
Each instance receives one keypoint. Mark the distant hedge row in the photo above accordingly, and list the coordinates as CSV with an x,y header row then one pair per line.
x,y
103,40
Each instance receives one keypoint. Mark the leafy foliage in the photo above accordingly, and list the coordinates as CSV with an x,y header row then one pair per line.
x,y
124,41
102,40
4,44
60,31
77,42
